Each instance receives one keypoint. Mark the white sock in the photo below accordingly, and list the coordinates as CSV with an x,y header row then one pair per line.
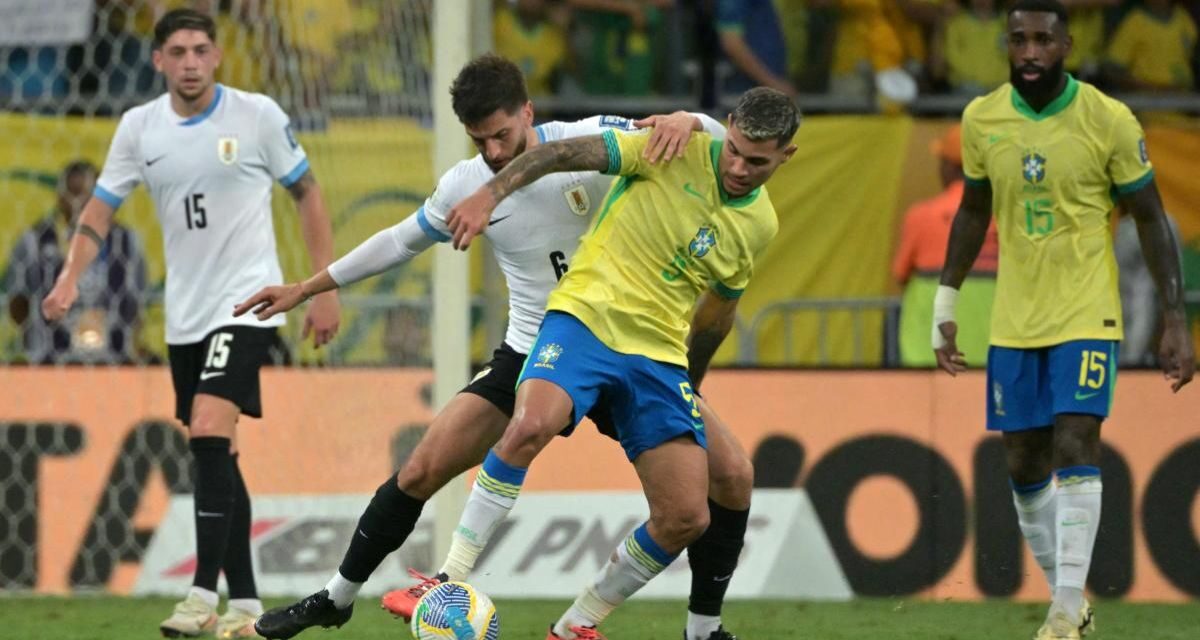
x,y
637,560
252,606
493,495
342,591
701,627
1079,495
1036,514
209,597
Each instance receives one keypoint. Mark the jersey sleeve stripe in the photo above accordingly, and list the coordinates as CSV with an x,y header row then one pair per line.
x,y
434,234
614,152
295,174
726,292
541,133
976,182
107,197
1136,185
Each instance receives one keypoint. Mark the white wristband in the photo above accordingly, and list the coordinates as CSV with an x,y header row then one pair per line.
x,y
944,302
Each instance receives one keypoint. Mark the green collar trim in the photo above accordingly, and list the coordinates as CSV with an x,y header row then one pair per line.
x,y
1055,107
714,150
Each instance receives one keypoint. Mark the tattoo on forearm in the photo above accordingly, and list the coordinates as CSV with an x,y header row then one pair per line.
x,y
300,188
575,154
88,232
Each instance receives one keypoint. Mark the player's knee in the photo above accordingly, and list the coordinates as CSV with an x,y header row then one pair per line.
x,y
420,478
207,424
731,481
680,525
525,437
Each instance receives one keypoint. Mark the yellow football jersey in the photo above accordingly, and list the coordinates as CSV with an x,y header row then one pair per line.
x,y
1155,50
1053,175
540,51
665,233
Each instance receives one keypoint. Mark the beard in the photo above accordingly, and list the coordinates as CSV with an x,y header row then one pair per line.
x,y
497,167
1043,86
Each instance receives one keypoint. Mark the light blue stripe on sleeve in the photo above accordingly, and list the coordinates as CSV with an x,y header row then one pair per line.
x,y
295,174
107,197
541,133
436,235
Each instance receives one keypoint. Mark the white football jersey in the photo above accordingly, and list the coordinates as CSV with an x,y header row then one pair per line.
x,y
210,177
535,230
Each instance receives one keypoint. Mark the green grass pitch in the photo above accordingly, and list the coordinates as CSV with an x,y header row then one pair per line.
x,y
105,617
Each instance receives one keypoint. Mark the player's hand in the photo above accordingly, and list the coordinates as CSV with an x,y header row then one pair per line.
x,y
470,217
323,318
670,135
1175,352
949,358
270,301
58,302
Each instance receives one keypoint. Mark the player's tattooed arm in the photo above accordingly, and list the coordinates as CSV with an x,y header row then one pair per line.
x,y
967,233
587,153
711,322
303,186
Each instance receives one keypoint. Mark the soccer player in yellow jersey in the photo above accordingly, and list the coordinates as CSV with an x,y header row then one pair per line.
x,y
616,327
1049,155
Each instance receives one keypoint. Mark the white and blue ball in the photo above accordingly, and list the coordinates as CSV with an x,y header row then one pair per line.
x,y
455,611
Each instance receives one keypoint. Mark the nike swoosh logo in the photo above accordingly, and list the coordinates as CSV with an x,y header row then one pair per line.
x,y
1085,396
210,514
687,186
723,578
150,162
205,375
492,222
993,139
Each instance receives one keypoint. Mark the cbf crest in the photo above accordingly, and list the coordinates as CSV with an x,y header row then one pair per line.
x,y
227,149
577,200
548,355
705,240
1033,167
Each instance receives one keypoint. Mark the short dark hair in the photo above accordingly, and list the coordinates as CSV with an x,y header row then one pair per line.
x,y
763,113
76,167
1040,6
179,19
486,84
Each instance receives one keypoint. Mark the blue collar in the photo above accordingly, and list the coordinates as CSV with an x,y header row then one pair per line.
x,y
208,111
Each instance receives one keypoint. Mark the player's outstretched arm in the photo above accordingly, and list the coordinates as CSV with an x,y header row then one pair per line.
x,y
323,315
470,216
966,239
1176,354
90,232
711,322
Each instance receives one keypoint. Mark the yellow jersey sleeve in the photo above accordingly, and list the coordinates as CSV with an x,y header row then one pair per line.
x,y
1128,163
974,167
625,152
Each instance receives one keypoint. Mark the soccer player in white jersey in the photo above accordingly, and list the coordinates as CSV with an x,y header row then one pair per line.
x,y
534,235
208,155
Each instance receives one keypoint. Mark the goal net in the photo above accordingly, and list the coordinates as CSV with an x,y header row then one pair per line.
x,y
90,454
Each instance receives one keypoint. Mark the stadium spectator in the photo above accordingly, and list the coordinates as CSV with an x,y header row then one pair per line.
x,y
1139,301
618,40
1087,33
918,265
881,45
753,40
972,48
1152,48
533,35
102,328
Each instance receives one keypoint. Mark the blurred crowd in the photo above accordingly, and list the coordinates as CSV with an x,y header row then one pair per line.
x,y
381,49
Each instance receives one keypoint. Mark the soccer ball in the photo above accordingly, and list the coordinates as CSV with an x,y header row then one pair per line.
x,y
455,610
